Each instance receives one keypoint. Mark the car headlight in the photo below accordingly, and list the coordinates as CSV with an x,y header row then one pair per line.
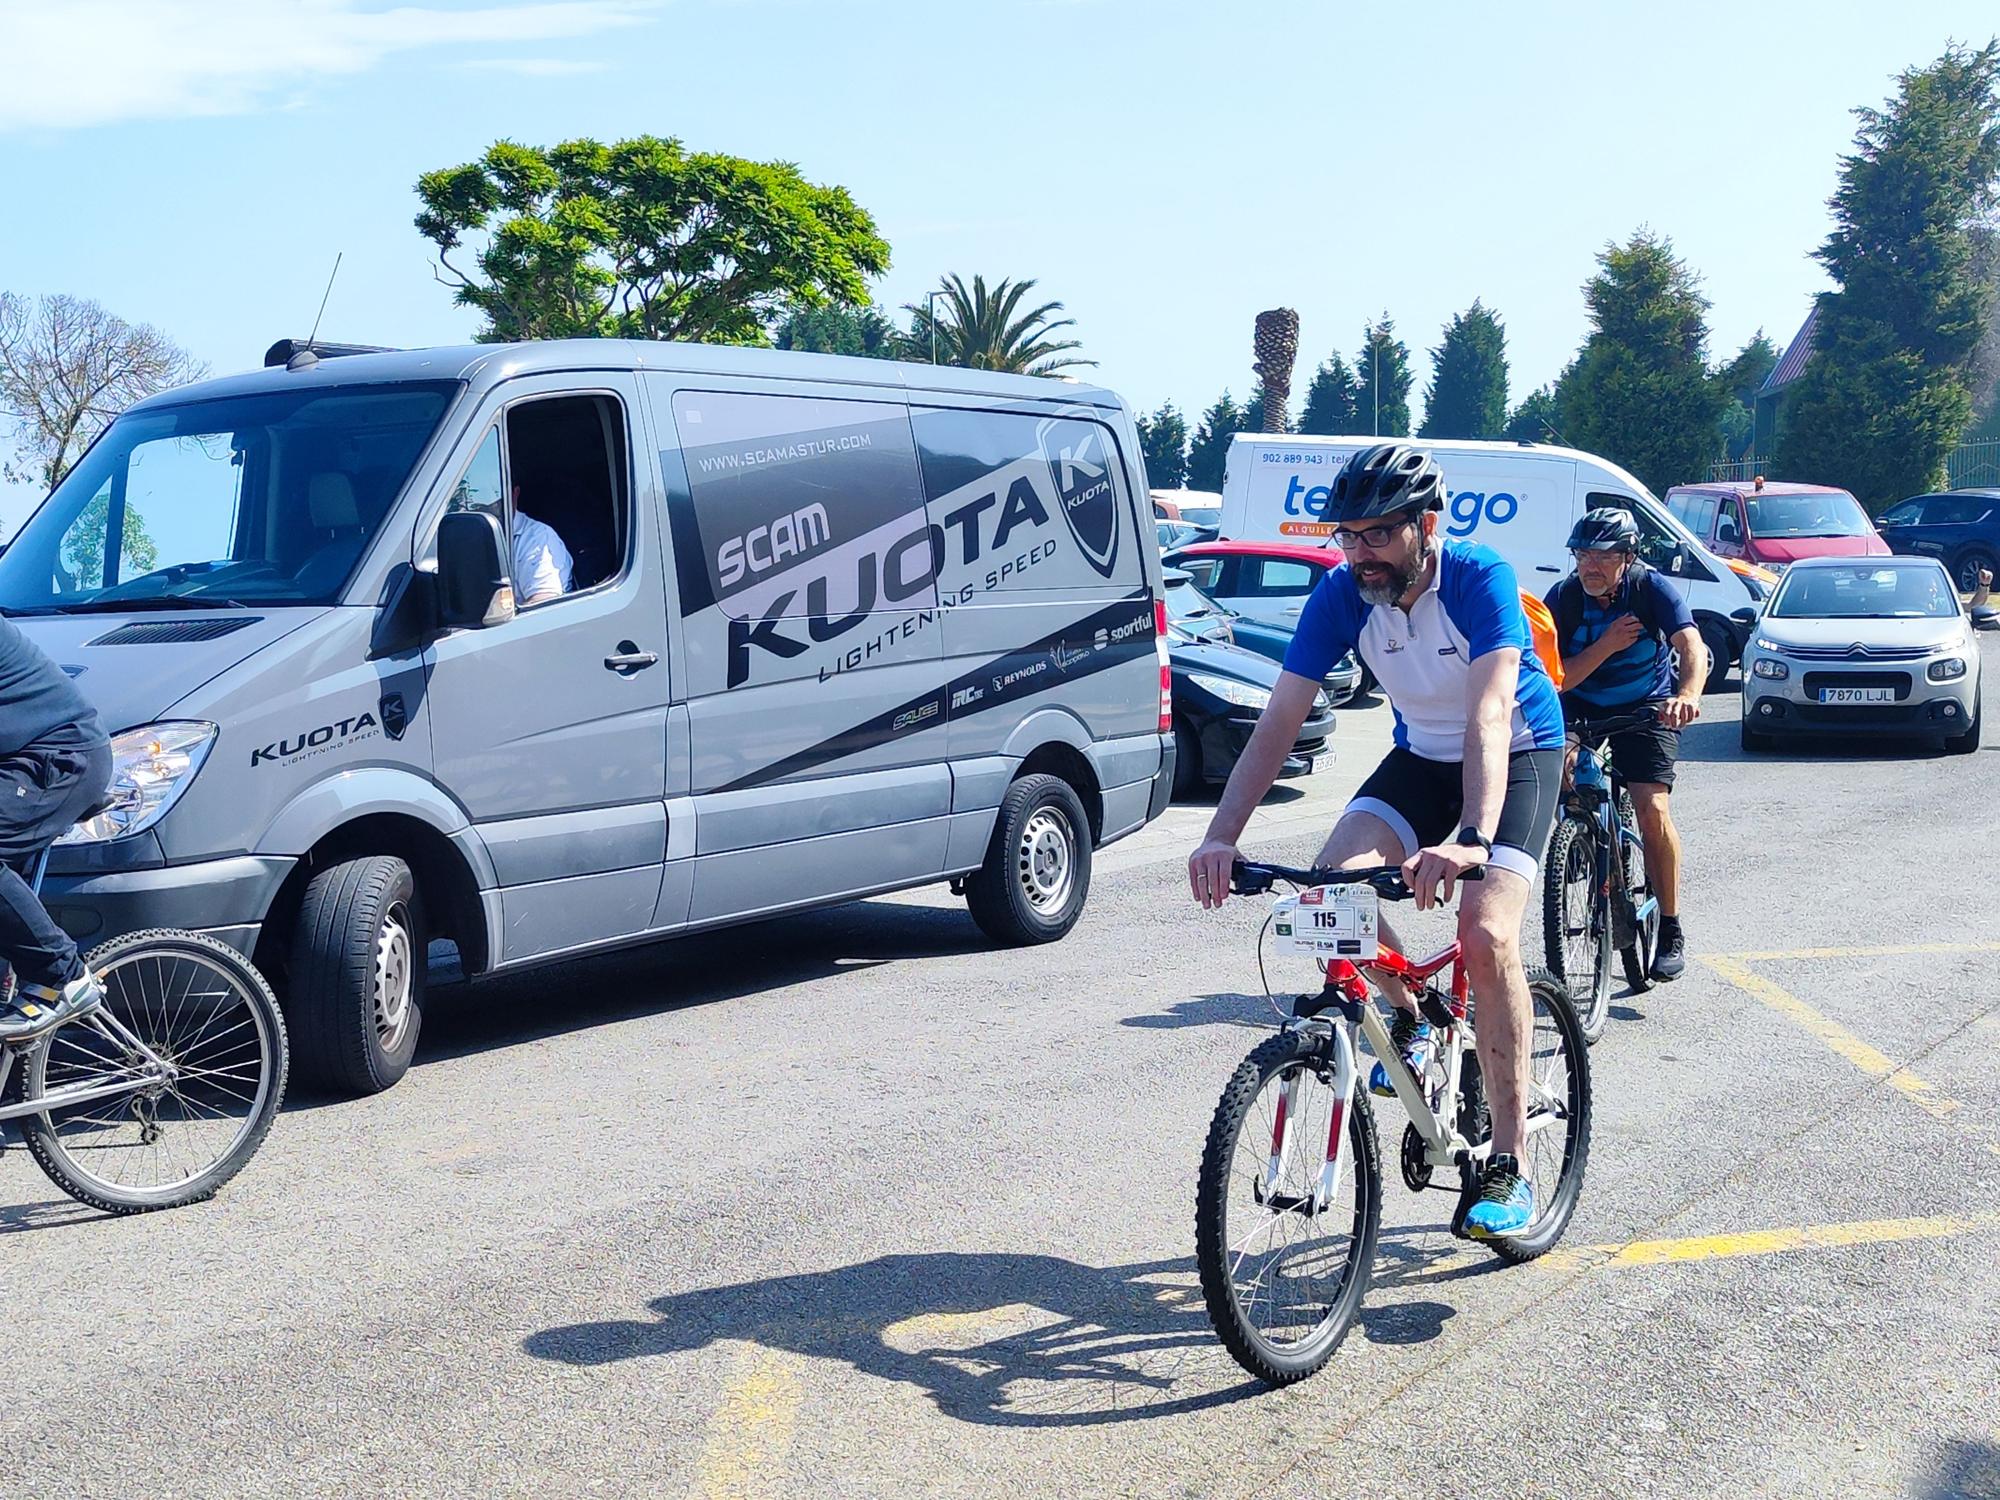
x,y
1771,667
150,767
1945,669
1229,690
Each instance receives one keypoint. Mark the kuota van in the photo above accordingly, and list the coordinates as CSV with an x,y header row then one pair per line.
x,y
831,627
1520,499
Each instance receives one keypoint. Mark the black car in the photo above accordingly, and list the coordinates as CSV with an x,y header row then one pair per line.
x,y
1219,691
1960,528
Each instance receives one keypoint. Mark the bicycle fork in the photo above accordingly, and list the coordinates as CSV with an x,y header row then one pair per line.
x,y
1285,1132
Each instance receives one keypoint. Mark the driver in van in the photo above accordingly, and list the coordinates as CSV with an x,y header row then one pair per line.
x,y
542,565
55,763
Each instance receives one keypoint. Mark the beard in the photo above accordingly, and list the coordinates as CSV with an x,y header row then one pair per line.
x,y
1392,582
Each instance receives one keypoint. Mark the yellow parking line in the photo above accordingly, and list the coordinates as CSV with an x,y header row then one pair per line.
x,y
1765,1242
1885,950
750,1435
1842,1042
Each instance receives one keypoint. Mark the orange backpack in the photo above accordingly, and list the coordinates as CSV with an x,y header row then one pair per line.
x,y
1542,626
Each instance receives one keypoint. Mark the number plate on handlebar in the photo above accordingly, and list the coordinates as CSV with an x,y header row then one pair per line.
x,y
1327,921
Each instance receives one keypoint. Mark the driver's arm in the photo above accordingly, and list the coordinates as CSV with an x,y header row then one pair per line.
x,y
1489,732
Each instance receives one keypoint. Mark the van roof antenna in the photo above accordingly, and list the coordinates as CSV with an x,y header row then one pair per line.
x,y
305,357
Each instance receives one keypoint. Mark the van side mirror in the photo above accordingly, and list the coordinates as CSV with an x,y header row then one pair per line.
x,y
1677,564
473,590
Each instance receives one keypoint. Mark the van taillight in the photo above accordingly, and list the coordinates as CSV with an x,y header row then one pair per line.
x,y
1166,668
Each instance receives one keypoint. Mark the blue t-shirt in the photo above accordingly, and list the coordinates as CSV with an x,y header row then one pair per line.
x,y
1423,659
38,702
1642,672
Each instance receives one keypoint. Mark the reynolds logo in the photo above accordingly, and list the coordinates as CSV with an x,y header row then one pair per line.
x,y
1080,463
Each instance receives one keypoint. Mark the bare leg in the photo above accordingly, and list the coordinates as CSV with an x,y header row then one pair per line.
x,y
1360,839
1663,844
1489,927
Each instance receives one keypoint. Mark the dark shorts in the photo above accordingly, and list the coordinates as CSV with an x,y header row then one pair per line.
x,y
1424,802
1644,754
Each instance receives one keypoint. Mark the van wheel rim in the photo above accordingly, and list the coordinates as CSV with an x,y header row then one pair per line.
x,y
392,979
1047,859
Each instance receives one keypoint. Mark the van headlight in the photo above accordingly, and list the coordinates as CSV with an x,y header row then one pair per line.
x,y
1229,690
150,767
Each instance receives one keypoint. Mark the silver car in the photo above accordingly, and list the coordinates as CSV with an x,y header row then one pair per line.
x,y
1867,646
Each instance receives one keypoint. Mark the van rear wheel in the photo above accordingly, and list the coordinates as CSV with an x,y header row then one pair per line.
x,y
357,971
1032,886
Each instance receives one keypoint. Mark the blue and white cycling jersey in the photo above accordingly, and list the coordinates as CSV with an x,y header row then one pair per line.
x,y
1423,660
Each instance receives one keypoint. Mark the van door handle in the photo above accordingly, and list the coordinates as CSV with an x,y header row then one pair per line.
x,y
629,659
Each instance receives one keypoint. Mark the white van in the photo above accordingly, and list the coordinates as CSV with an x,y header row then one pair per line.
x,y
1520,499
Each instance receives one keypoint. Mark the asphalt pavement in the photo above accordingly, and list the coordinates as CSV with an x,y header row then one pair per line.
x,y
851,1204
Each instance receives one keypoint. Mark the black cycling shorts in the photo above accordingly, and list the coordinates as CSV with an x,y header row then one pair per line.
x,y
1424,802
1646,753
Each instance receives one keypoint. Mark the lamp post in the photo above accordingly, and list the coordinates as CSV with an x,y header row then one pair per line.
x,y
930,316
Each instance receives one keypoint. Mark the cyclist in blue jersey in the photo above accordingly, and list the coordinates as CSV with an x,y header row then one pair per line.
x,y
1622,628
1474,779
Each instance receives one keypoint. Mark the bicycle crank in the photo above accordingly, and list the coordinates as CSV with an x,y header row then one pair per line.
x,y
1415,1160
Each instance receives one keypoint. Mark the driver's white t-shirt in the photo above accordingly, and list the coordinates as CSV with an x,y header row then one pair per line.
x,y
541,561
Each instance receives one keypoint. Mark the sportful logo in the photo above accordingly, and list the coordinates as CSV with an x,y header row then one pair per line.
x,y
1079,461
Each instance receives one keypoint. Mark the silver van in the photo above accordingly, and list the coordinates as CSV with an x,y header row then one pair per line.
x,y
825,627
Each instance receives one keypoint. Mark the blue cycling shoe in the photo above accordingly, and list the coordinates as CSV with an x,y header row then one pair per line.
x,y
1506,1203
1412,1037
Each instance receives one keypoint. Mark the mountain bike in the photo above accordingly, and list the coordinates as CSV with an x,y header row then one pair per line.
x,y
1289,1202
159,1096
1595,893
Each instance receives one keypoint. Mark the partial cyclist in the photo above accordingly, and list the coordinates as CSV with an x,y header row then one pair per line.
x,y
1622,629
1474,778
55,763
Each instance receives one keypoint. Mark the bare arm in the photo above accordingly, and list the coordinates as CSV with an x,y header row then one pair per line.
x,y
1489,733
1685,705
1256,769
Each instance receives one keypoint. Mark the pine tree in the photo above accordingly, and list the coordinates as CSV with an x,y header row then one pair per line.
x,y
1536,419
1163,443
1467,396
1210,448
1743,377
1885,395
1330,402
1383,407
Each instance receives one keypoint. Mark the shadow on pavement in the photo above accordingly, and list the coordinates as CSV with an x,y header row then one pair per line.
x,y
1968,1470
58,1213
1212,1010
1001,1340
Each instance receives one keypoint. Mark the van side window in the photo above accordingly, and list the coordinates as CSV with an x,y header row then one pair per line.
x,y
1697,513
1657,546
569,506
802,506
1729,528
481,486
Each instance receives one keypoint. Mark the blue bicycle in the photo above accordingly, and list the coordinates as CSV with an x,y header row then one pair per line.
x,y
1595,894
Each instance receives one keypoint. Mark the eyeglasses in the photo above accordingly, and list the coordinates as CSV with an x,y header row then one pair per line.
x,y
1607,558
1374,536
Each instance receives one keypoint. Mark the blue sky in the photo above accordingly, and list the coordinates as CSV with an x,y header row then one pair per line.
x,y
1164,169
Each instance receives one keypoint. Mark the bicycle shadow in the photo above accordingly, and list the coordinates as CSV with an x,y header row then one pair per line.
x,y
55,1213
1001,1340
1968,1469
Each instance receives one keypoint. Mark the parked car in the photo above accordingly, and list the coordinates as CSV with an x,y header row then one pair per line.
x,y
1187,601
1200,506
1219,692
1960,528
863,626
1880,646
1775,523
1176,534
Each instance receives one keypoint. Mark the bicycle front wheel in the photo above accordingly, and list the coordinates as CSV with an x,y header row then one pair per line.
x,y
185,1063
1576,923
1638,955
1283,1273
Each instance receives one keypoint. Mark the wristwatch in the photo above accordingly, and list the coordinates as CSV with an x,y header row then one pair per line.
x,y
1471,837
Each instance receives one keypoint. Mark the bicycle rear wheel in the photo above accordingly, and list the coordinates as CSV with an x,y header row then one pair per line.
x,y
1284,1280
165,1138
1576,923
1637,956
1558,1143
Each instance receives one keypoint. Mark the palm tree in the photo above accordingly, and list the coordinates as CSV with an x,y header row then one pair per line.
x,y
986,329
1277,349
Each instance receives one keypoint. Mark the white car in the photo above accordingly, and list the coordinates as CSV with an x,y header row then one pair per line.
x,y
1863,646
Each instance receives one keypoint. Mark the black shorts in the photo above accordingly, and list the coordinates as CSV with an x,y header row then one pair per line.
x,y
1647,753
1424,802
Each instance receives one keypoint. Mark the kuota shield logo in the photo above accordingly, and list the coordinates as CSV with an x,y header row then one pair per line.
x,y
1079,458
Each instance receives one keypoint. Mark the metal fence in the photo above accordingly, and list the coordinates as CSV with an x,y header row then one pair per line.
x,y
1968,466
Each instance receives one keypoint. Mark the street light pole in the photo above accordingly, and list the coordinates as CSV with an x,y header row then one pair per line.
x,y
1375,369
930,316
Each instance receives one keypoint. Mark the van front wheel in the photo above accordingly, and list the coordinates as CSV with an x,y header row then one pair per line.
x,y
357,971
1037,871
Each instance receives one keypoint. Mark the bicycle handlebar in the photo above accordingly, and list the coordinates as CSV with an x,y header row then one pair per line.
x,y
1597,731
1253,878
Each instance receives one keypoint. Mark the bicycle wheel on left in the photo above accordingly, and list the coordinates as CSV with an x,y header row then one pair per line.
x,y
185,1065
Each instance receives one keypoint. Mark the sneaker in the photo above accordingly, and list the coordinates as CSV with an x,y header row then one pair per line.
x,y
37,1010
1671,959
1506,1203
1412,1036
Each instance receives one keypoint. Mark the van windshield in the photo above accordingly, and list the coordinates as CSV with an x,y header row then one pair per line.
x,y
1818,513
254,500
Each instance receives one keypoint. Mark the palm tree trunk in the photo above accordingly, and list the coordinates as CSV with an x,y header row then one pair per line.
x,y
1277,350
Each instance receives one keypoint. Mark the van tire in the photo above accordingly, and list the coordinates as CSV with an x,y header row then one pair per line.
x,y
1041,820
356,998
1720,655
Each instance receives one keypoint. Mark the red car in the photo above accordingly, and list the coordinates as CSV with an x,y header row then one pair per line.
x,y
1773,524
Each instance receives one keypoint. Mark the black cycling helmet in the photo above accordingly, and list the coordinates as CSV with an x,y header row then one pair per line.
x,y
1383,480
1608,528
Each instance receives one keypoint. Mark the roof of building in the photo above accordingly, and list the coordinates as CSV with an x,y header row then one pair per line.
x,y
1792,363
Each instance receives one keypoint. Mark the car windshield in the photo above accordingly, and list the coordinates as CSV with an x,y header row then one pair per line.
x,y
1868,591
1186,602
257,500
1820,513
